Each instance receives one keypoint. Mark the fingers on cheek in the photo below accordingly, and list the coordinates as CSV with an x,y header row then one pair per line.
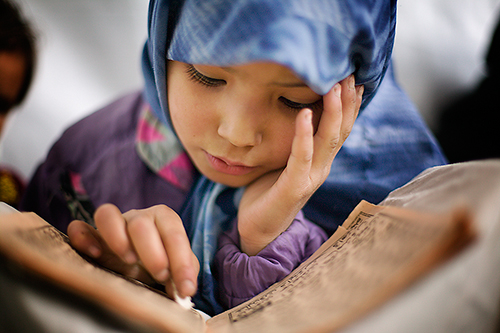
x,y
304,132
306,121
359,97
351,102
350,94
334,103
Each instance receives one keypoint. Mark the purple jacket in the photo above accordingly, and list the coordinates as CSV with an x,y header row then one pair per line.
x,y
234,268
101,150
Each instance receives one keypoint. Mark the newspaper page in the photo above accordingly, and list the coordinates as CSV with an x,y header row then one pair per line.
x,y
37,246
376,253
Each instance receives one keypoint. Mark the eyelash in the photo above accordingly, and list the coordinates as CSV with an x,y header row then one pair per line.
x,y
315,106
198,77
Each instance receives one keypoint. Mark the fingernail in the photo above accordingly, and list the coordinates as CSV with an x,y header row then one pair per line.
x,y
187,288
337,89
162,276
309,116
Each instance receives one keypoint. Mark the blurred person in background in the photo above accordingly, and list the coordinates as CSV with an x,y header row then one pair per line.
x,y
17,64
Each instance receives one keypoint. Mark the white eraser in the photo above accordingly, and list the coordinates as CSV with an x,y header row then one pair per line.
x,y
185,302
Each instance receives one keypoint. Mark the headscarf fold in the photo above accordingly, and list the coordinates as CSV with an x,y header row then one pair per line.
x,y
323,42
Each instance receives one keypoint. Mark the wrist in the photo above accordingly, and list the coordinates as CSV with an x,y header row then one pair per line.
x,y
255,237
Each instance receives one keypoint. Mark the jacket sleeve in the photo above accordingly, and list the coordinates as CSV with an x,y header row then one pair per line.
x,y
241,277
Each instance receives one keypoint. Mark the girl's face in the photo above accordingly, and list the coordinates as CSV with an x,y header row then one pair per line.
x,y
237,123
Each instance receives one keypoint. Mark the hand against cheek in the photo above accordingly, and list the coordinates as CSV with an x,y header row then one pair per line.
x,y
269,204
149,245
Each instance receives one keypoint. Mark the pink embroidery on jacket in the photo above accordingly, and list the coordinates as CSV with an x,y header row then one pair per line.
x,y
161,151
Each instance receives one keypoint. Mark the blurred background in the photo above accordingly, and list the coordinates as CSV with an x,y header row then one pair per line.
x,y
89,54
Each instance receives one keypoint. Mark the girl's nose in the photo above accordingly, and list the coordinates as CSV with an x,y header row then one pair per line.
x,y
241,127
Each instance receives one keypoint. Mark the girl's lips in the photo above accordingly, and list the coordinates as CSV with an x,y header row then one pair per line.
x,y
227,167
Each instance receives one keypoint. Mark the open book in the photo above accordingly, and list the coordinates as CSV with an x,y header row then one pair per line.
x,y
375,254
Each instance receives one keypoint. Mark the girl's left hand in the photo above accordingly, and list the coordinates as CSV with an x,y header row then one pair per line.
x,y
269,204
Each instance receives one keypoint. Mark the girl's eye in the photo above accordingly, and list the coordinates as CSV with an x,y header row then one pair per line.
x,y
315,107
203,79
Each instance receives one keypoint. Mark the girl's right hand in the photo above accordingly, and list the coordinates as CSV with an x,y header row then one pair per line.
x,y
147,244
269,204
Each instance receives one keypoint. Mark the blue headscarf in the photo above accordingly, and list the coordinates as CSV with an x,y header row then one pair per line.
x,y
323,42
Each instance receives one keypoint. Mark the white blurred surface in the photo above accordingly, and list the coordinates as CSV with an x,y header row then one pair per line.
x,y
89,53
440,49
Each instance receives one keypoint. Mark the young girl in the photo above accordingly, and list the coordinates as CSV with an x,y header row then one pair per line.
x,y
236,137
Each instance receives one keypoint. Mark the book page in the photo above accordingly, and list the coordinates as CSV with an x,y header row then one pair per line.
x,y
28,240
375,254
